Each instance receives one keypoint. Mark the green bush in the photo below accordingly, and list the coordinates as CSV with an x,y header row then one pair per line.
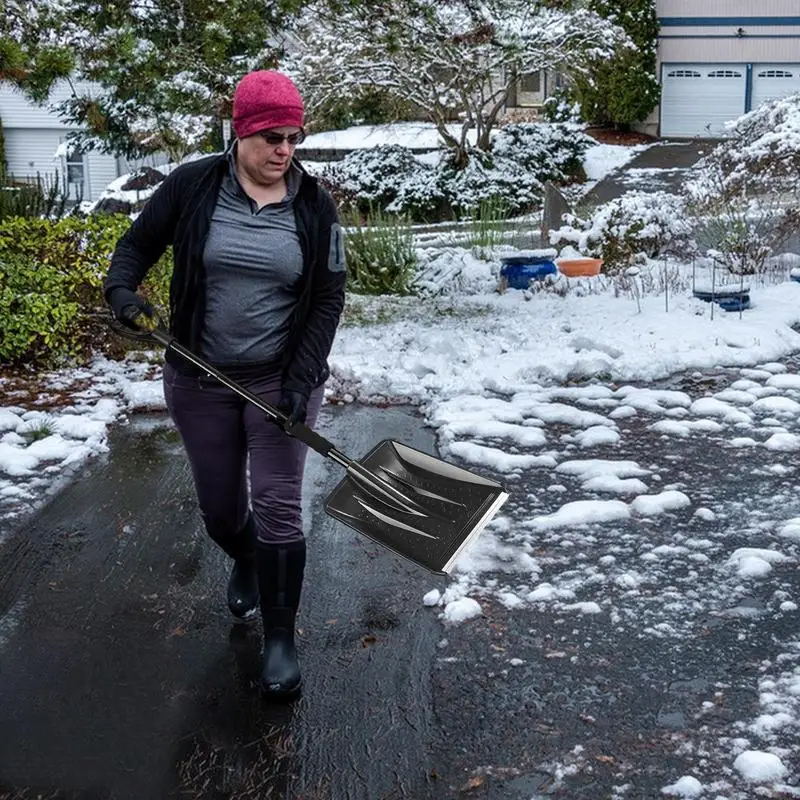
x,y
37,311
561,106
623,89
51,275
380,255
550,151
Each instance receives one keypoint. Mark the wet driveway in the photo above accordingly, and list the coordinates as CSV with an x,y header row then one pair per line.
x,y
122,678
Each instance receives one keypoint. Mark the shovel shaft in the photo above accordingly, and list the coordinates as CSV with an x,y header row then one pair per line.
x,y
300,431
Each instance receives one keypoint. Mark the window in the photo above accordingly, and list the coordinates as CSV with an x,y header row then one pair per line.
x,y
775,73
684,73
724,73
529,89
531,83
442,74
75,169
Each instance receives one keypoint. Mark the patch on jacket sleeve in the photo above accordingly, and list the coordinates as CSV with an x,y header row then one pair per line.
x,y
336,259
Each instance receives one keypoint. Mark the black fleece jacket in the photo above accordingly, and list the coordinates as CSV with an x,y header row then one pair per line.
x,y
179,214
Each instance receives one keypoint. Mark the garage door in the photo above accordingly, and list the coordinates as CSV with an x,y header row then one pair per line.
x,y
771,81
698,99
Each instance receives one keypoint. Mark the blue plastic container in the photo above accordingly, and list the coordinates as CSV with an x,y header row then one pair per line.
x,y
519,271
727,300
734,303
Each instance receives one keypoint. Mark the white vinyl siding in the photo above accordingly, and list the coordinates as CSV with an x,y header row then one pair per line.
x,y
33,134
726,8
29,152
771,81
102,171
17,111
696,47
698,99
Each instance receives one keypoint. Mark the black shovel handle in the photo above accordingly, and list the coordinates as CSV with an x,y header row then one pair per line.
x,y
158,333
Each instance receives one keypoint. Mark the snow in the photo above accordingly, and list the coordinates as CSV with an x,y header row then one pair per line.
x,y
535,382
685,787
582,512
759,767
602,159
462,610
650,505
752,562
415,135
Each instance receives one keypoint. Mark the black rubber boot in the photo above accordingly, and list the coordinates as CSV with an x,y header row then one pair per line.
x,y
243,582
280,576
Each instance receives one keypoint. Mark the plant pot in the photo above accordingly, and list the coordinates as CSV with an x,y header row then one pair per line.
x,y
579,267
518,271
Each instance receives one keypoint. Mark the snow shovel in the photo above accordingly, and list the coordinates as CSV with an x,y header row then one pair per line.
x,y
412,503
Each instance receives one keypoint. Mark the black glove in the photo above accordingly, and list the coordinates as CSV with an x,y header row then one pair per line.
x,y
128,305
294,405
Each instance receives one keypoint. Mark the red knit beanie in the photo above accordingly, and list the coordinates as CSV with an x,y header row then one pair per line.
x,y
265,99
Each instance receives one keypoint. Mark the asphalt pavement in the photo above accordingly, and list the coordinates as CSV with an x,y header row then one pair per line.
x,y
122,677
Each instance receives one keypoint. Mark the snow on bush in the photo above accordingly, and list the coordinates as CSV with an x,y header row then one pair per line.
x,y
374,176
549,151
448,192
651,223
761,152
745,192
560,107
522,157
489,178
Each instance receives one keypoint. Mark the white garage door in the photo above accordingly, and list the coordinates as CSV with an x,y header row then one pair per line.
x,y
698,99
771,81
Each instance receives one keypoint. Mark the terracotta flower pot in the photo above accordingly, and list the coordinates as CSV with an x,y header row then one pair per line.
x,y
579,267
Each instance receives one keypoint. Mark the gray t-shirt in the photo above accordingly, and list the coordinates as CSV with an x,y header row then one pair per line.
x,y
252,261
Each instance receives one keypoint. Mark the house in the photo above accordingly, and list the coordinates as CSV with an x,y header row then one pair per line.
x,y
718,59
528,93
35,142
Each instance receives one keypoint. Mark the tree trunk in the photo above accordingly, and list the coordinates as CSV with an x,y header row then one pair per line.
x,y
484,142
460,157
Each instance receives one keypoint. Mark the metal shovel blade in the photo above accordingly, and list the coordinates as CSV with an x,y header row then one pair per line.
x,y
441,510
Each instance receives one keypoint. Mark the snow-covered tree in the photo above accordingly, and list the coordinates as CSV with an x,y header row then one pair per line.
x,y
31,54
452,59
166,68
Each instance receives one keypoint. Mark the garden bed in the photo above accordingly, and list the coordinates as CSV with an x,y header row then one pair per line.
x,y
627,138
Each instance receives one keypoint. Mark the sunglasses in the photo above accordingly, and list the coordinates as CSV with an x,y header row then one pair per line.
x,y
274,139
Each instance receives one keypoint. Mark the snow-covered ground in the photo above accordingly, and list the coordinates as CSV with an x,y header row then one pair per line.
x,y
418,135
523,382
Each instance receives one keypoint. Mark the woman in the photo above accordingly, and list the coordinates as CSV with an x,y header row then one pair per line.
x,y
257,289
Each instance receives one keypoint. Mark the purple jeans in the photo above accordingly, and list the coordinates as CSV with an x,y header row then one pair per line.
x,y
219,430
